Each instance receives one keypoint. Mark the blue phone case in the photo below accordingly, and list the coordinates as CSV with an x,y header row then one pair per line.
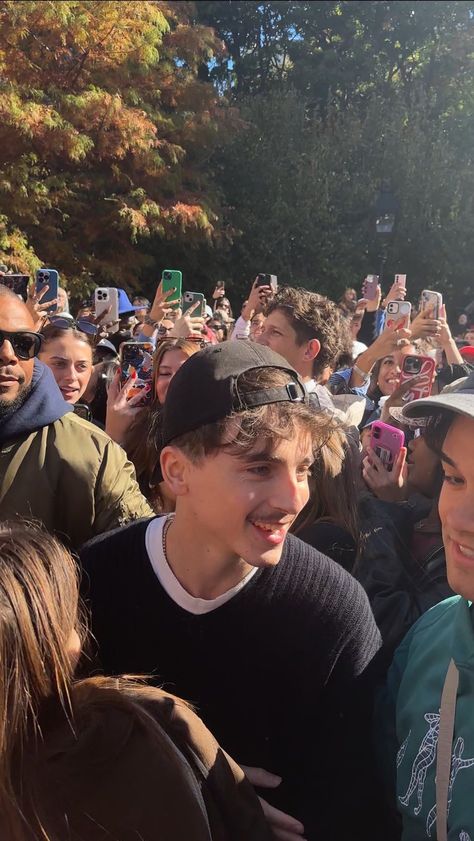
x,y
50,278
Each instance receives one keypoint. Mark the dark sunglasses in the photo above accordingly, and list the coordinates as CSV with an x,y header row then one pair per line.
x,y
81,324
25,345
202,342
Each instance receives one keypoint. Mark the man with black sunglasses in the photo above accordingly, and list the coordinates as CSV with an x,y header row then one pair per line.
x,y
54,466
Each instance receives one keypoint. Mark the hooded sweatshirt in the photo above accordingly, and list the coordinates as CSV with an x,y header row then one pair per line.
x,y
61,470
44,405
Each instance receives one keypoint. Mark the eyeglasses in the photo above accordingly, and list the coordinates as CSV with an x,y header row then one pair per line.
x,y
81,324
25,345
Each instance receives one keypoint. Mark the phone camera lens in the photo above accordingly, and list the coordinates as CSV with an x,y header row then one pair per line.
x,y
167,275
376,432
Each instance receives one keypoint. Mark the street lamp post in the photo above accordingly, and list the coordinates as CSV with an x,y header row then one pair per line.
x,y
386,208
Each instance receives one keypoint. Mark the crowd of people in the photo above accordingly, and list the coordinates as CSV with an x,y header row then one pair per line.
x,y
236,584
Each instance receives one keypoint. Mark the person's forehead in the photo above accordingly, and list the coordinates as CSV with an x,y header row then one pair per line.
x,y
279,319
14,315
172,357
296,447
68,347
460,431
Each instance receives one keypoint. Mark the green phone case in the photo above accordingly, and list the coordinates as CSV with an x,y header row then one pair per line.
x,y
172,279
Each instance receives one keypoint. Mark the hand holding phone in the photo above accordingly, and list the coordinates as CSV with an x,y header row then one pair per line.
x,y
172,281
386,484
47,283
137,362
427,321
106,307
431,300
269,280
370,287
398,315
424,369
219,291
191,298
386,441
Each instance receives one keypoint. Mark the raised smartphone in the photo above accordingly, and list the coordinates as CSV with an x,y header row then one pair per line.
x,y
401,280
386,441
270,280
433,300
137,357
398,315
49,278
369,287
191,298
423,367
172,279
106,298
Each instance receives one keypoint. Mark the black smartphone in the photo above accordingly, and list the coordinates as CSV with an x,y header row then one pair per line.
x,y
270,280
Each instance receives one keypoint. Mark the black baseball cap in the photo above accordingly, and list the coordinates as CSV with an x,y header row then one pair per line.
x,y
206,388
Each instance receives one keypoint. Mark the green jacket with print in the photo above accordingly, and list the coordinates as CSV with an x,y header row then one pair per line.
x,y
72,477
415,684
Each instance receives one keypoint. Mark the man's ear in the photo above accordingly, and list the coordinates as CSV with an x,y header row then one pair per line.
x,y
174,468
312,349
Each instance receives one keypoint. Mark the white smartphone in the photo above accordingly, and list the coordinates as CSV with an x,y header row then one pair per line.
x,y
401,280
433,300
106,297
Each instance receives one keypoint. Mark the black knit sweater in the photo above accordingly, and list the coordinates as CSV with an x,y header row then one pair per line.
x,y
272,672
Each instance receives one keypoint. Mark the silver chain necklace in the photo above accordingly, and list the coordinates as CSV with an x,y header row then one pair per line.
x,y
166,526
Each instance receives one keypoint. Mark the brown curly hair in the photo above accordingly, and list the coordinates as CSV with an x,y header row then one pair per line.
x,y
313,316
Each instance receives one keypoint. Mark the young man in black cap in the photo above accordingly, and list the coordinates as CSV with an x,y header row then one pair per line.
x,y
264,634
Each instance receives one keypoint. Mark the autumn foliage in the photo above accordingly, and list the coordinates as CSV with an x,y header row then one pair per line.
x,y
105,130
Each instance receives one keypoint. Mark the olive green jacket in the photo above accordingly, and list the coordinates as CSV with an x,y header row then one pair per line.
x,y
72,477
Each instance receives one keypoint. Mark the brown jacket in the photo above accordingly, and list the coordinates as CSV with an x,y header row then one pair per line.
x,y
137,765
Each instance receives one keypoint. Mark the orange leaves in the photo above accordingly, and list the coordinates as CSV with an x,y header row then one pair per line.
x,y
114,129
105,129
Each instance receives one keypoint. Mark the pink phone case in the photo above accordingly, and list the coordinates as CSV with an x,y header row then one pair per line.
x,y
426,374
386,441
369,287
